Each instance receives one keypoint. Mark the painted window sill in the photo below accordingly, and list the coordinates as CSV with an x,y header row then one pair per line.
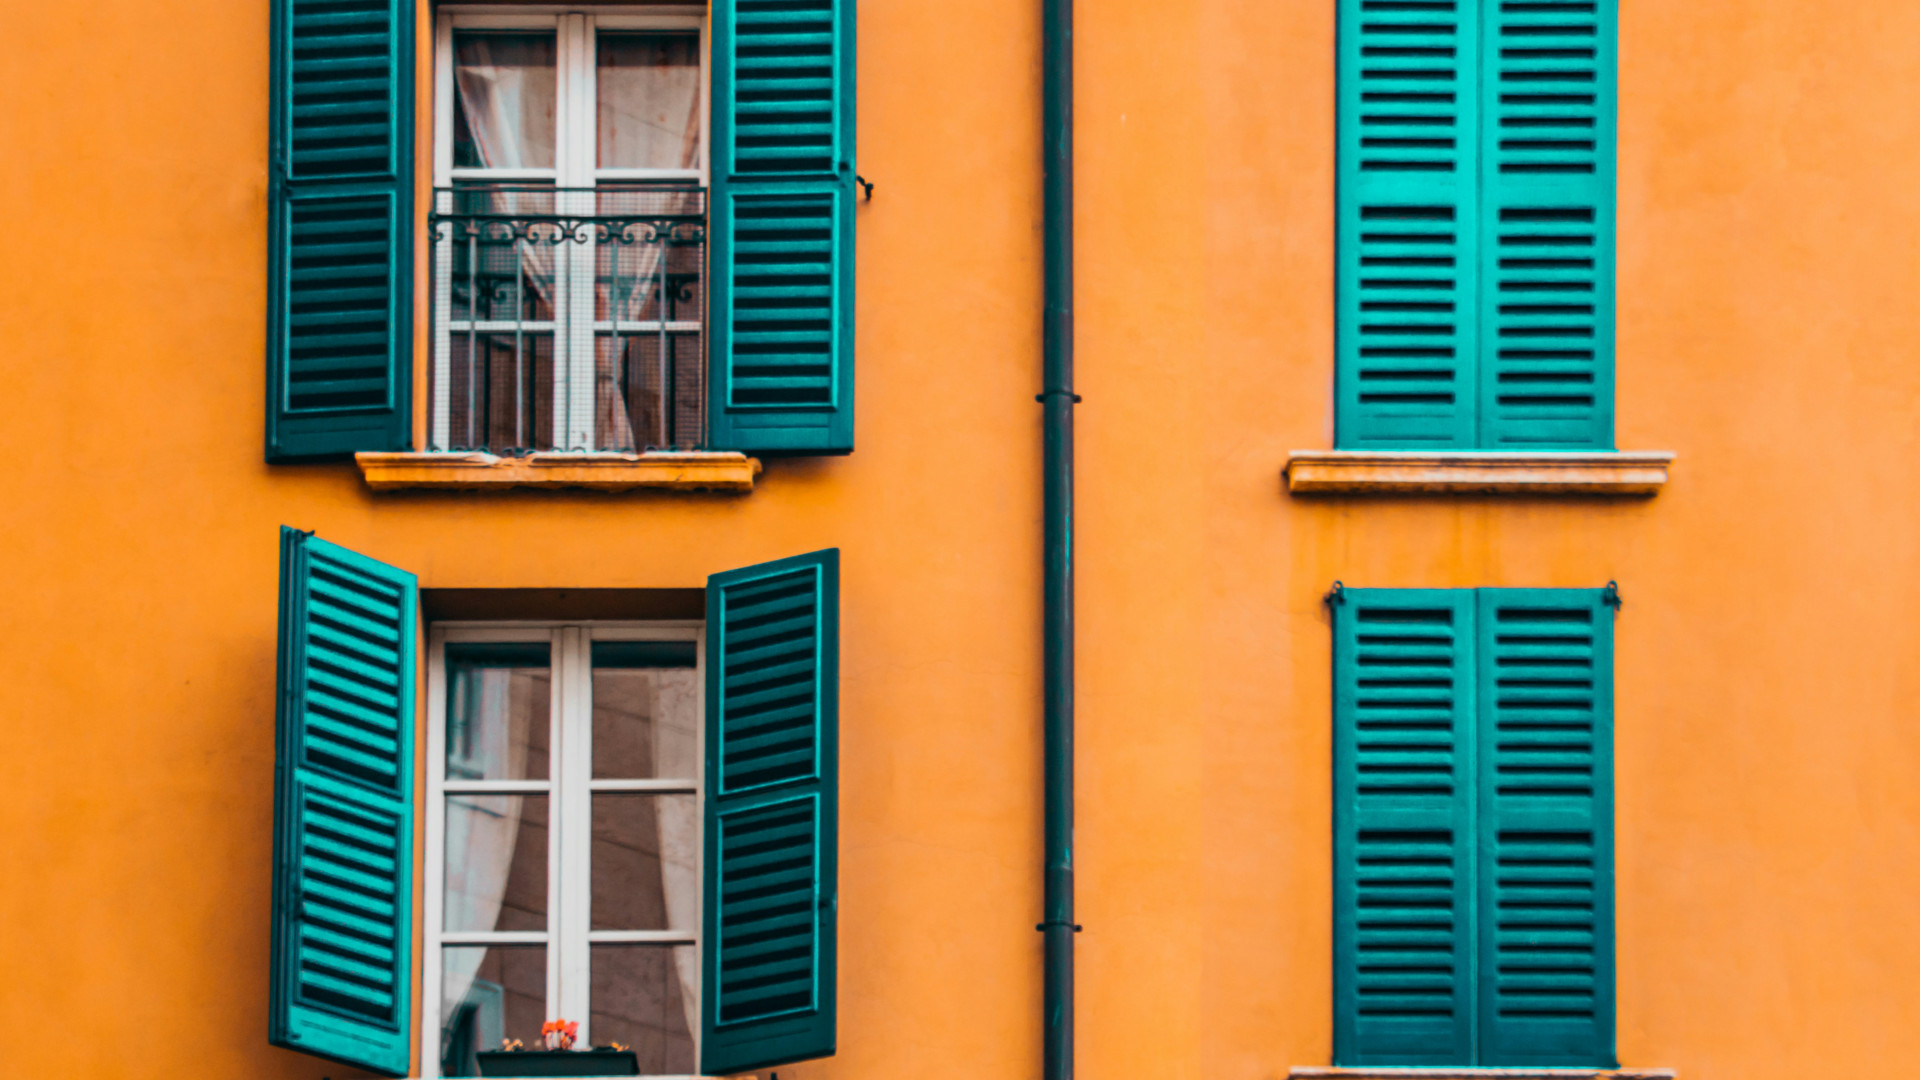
x,y
727,472
1475,472
1471,1073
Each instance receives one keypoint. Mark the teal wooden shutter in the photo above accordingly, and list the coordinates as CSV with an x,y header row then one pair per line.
x,y
1547,225
772,814
342,970
339,229
1403,890
1546,994
1408,224
781,376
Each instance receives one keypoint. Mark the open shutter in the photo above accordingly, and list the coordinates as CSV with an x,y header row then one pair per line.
x,y
772,814
1408,224
340,219
1403,895
781,377
1546,828
343,807
1547,224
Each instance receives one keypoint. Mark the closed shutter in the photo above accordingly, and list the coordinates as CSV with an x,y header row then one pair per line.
x,y
772,814
1476,224
1403,827
343,807
1409,226
1546,828
340,219
782,244
1547,164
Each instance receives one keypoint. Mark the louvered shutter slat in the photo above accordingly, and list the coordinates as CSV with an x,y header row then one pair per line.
x,y
772,811
1403,898
340,293
1408,122
781,377
1547,247
343,847
1546,828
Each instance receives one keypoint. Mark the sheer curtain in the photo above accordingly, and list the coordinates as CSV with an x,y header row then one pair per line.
x,y
676,710
481,830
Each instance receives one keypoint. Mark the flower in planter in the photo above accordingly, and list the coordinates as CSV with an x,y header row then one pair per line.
x,y
558,1034
512,1044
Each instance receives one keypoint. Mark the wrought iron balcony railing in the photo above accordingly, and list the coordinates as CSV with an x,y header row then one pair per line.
x,y
568,318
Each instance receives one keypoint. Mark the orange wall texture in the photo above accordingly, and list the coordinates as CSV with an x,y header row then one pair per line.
x,y
1768,751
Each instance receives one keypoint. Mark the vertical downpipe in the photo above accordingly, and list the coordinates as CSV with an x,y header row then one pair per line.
x,y
1057,400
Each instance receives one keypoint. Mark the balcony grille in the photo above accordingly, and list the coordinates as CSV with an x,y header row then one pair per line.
x,y
568,318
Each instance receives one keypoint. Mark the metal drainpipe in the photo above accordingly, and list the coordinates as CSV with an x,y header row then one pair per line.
x,y
1057,400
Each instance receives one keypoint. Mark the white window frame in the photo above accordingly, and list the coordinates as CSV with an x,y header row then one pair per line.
x,y
576,145
570,788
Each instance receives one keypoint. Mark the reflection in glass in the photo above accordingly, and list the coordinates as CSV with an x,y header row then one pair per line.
x,y
488,993
498,698
642,997
648,100
496,862
646,852
505,85
646,711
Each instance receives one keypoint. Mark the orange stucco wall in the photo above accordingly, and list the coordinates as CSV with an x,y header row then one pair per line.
x,y
1768,747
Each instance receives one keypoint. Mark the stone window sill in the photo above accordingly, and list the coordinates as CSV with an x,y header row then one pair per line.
x,y
728,472
1473,472
1467,1073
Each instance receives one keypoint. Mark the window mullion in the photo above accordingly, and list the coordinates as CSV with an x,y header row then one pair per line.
x,y
574,843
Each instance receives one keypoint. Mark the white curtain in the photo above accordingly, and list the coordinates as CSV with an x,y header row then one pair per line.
x,y
481,830
676,710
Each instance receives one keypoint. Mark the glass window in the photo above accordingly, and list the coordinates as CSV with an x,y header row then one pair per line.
x,y
569,264
533,927
506,91
647,100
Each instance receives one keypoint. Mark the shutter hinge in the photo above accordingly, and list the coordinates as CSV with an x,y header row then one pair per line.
x,y
1610,596
1042,927
865,184
1336,596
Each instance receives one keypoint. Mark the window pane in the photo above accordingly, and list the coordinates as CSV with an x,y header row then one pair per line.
x,y
648,100
489,993
646,862
646,997
496,862
497,712
646,711
505,87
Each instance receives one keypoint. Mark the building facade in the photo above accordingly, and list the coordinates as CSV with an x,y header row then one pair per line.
x,y
462,579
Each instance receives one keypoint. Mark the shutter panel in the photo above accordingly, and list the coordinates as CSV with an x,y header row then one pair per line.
x,y
772,814
781,377
1546,992
1403,827
1547,250
343,808
1408,224
340,219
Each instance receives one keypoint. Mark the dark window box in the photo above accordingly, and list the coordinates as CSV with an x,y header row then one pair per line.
x,y
601,1062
